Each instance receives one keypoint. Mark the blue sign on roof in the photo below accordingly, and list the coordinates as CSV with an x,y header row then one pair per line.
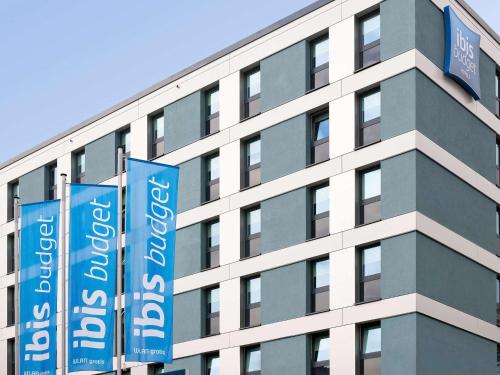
x,y
462,53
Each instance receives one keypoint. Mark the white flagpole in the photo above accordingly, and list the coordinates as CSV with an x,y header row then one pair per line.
x,y
119,286
16,285
63,273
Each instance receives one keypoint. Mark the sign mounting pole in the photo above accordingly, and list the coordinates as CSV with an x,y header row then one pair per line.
x,y
119,286
17,362
63,273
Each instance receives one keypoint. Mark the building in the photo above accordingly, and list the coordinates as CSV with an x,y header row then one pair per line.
x,y
338,203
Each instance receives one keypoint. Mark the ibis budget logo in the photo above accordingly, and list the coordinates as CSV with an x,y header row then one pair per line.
x,y
462,53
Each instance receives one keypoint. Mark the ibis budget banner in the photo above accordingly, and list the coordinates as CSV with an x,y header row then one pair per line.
x,y
149,260
92,277
38,288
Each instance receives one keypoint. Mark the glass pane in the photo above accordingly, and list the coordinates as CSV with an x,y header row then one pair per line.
x,y
125,140
213,168
252,359
253,177
253,152
372,366
371,212
158,127
320,53
321,272
371,261
370,106
253,290
253,247
321,227
321,127
371,290
370,184
213,259
498,154
253,108
372,339
370,134
321,348
212,102
213,234
370,29
253,221
321,200
321,301
213,301
213,366
253,83
212,125
321,152
370,56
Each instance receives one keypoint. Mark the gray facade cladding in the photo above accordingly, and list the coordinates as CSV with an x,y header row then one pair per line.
x,y
421,273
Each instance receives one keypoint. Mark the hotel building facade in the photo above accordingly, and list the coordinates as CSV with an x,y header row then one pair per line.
x,y
338,197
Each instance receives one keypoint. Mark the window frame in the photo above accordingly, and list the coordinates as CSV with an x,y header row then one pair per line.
x,y
248,169
79,175
152,139
210,117
249,306
208,357
364,279
10,263
317,290
318,364
362,49
364,356
323,215
362,203
497,156
325,66
362,125
122,142
322,143
11,306
497,84
211,249
245,360
498,230
247,100
210,317
209,183
498,299
52,185
248,237
13,188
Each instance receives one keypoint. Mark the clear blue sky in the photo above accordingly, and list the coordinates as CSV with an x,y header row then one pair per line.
x,y
63,61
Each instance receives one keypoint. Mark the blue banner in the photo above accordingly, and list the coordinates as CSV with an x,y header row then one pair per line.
x,y
149,260
38,288
92,277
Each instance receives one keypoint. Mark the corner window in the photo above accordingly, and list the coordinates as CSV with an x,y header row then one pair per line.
x,y
371,349
212,178
369,43
319,62
212,254
157,124
370,195
320,354
369,118
320,285
52,182
321,135
252,360
212,111
10,306
252,302
252,232
13,193
252,93
11,356
212,364
252,163
213,311
79,167
10,253
320,225
370,273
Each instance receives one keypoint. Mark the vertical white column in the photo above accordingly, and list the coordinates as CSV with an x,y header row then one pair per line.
x,y
63,273
343,350
16,284
119,286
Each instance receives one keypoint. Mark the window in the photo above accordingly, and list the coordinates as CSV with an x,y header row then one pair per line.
x,y
498,161
124,208
320,354
10,306
371,349
52,181
320,285
369,202
370,273
123,332
319,62
213,311
498,231
252,163
252,360
13,193
252,232
124,143
212,364
497,90
79,166
10,253
369,43
498,301
11,357
369,118
211,111
252,93
320,211
321,135
157,135
252,302
498,359
212,254
212,178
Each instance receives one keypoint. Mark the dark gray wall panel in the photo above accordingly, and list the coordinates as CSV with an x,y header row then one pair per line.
x,y
397,27
487,74
284,148
193,364
188,250
443,349
33,186
453,203
286,356
183,121
187,316
100,159
399,345
284,220
284,293
190,184
283,76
